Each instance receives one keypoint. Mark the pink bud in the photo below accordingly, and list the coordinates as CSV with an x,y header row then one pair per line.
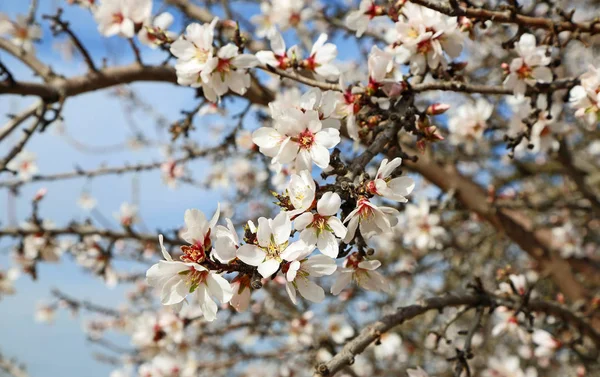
x,y
39,195
437,108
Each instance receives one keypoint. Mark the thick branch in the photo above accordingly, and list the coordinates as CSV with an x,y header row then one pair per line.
x,y
508,17
110,77
516,225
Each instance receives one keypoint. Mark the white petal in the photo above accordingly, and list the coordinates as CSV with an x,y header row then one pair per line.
x,y
268,268
251,254
329,204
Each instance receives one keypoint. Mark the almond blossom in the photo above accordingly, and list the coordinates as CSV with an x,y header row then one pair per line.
x,y
22,33
546,343
86,201
171,172
359,19
299,268
122,17
7,279
516,286
128,214
177,279
569,241
158,26
425,37
321,57
227,71
272,239
529,68
339,329
322,228
395,189
469,123
370,219
508,323
300,137
193,50
280,57
24,164
301,192
362,272
422,228
586,97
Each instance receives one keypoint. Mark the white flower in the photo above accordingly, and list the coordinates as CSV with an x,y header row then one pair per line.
x,y
417,372
322,228
298,136
568,240
546,343
529,68
273,237
468,124
380,63
122,16
545,129
21,32
298,270
246,175
265,21
193,51
519,282
24,164
321,57
301,192
157,329
44,313
324,103
199,234
361,271
348,105
395,189
508,323
425,37
7,279
176,280
227,70
171,172
159,25
389,345
422,227
280,57
371,219
586,97
359,19
339,329
128,214
508,366
86,201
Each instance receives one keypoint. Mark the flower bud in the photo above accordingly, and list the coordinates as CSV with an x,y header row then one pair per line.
x,y
437,108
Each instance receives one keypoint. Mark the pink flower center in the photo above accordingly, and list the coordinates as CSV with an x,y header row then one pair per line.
x,y
524,72
306,139
223,66
117,18
196,253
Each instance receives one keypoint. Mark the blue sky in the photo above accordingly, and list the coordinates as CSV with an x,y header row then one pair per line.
x,y
97,119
